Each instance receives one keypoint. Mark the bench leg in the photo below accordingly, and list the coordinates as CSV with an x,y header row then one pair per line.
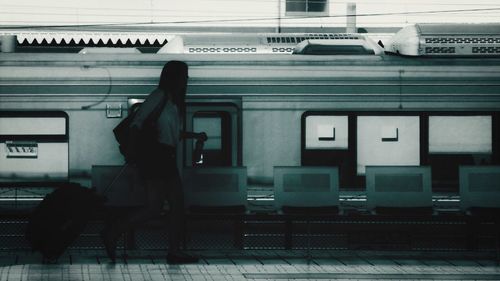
x,y
497,241
308,241
288,234
470,238
238,234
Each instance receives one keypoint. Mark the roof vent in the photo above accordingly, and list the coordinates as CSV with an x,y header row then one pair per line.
x,y
109,50
447,40
295,39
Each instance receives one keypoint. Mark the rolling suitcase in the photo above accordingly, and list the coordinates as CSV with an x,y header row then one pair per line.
x,y
61,217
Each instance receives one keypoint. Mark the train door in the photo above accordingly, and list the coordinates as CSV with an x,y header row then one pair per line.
x,y
220,123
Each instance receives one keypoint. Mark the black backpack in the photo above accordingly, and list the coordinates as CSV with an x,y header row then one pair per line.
x,y
147,138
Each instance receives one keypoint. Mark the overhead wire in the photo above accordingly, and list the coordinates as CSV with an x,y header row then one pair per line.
x,y
176,13
157,12
392,2
258,19
74,10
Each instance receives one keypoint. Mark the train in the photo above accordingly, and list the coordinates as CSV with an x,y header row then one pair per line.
x,y
429,96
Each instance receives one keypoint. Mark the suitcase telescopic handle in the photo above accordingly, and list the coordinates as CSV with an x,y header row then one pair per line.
x,y
108,188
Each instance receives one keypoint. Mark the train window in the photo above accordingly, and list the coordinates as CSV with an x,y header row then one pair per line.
x,y
387,140
442,140
460,134
326,132
34,146
32,126
457,140
221,123
328,140
212,126
217,150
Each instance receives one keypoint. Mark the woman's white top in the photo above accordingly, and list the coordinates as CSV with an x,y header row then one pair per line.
x,y
168,123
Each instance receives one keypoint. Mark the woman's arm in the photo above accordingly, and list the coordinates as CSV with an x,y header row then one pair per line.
x,y
192,135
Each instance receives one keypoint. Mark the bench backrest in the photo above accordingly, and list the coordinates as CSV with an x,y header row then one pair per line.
x,y
398,186
215,186
306,186
479,186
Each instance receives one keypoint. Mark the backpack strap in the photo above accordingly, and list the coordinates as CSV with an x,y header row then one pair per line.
x,y
155,114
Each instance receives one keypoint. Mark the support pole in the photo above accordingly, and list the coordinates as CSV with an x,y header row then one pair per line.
x,y
351,18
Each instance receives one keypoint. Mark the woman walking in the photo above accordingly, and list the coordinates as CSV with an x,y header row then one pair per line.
x,y
158,167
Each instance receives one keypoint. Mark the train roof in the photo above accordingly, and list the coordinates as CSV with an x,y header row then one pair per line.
x,y
23,59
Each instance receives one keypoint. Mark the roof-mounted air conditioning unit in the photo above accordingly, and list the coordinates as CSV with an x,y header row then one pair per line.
x,y
447,40
359,46
249,43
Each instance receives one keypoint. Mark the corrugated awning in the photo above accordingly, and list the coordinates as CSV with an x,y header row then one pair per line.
x,y
89,38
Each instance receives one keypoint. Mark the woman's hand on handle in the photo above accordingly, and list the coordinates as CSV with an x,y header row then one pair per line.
x,y
202,136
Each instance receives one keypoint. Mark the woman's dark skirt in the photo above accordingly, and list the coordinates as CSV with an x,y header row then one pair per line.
x,y
159,163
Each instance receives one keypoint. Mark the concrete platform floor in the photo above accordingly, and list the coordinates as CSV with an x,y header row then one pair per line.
x,y
253,265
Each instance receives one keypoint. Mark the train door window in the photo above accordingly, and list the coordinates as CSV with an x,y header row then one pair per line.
x,y
217,126
220,122
212,126
387,140
455,141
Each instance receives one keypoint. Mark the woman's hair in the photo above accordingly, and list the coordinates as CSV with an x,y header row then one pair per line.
x,y
173,80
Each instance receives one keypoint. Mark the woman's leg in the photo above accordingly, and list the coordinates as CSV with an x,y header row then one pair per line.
x,y
155,197
175,197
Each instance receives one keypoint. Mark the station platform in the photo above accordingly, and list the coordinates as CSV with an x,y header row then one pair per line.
x,y
253,265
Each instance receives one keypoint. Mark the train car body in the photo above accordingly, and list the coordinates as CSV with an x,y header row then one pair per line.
x,y
260,103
